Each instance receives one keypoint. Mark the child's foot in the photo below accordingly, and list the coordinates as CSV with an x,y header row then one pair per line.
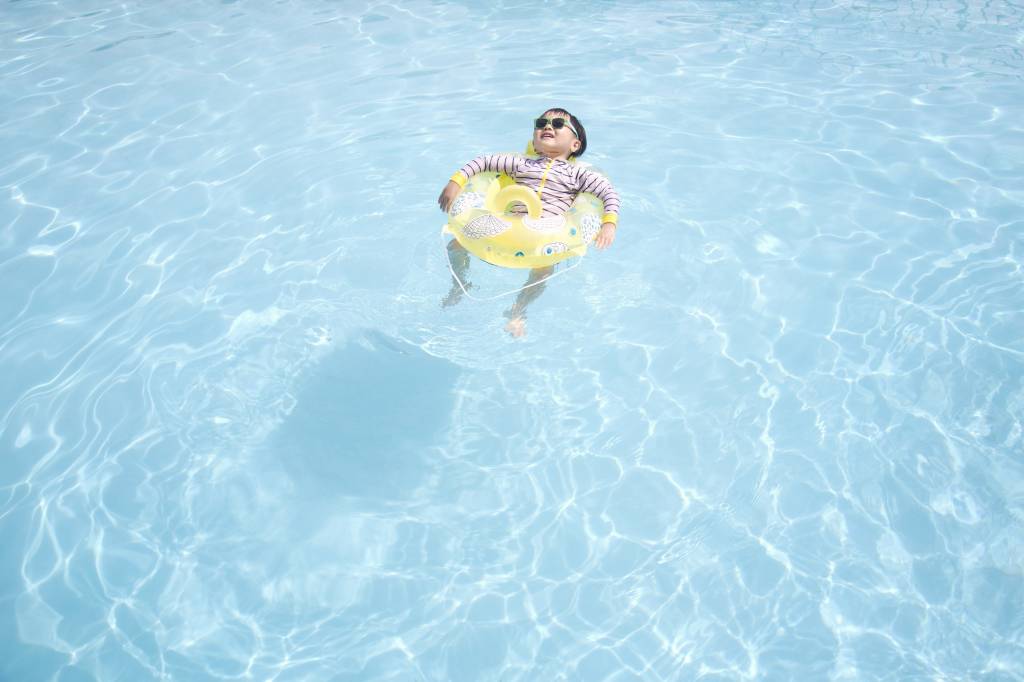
x,y
454,295
516,327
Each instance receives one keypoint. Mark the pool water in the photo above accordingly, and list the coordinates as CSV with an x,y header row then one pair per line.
x,y
773,433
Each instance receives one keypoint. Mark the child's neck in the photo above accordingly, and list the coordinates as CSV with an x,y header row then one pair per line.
x,y
554,155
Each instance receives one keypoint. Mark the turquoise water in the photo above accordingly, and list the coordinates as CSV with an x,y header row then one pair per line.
x,y
773,433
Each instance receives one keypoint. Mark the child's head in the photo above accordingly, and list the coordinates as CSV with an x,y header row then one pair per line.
x,y
568,137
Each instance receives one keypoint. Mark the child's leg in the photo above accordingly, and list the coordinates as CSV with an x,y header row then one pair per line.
x,y
533,288
459,258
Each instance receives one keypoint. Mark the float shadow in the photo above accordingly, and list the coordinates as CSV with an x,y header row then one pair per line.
x,y
366,420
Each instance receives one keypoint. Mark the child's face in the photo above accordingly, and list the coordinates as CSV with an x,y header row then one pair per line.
x,y
561,142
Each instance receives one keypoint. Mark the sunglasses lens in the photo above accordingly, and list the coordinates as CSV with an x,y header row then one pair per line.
x,y
556,123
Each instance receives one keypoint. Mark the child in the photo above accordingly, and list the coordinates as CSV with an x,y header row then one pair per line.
x,y
557,137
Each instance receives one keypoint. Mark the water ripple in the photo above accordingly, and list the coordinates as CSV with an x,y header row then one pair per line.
x,y
772,433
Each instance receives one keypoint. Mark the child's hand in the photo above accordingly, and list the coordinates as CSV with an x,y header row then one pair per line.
x,y
448,194
606,236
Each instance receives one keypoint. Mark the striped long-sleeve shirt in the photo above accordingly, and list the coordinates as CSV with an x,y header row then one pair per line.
x,y
556,182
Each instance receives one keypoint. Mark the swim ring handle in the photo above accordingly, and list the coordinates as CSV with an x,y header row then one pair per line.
x,y
498,198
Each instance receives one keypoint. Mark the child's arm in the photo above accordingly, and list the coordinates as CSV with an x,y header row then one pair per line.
x,y
500,163
601,187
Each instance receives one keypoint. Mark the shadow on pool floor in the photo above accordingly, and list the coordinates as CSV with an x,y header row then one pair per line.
x,y
366,419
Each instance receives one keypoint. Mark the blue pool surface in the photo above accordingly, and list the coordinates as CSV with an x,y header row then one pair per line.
x,y
773,433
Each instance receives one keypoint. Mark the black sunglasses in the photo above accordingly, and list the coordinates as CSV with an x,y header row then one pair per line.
x,y
556,123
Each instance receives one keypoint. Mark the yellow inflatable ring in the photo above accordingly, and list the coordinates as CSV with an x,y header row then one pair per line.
x,y
481,222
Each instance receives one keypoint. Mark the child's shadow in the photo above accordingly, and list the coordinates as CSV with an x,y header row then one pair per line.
x,y
366,420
